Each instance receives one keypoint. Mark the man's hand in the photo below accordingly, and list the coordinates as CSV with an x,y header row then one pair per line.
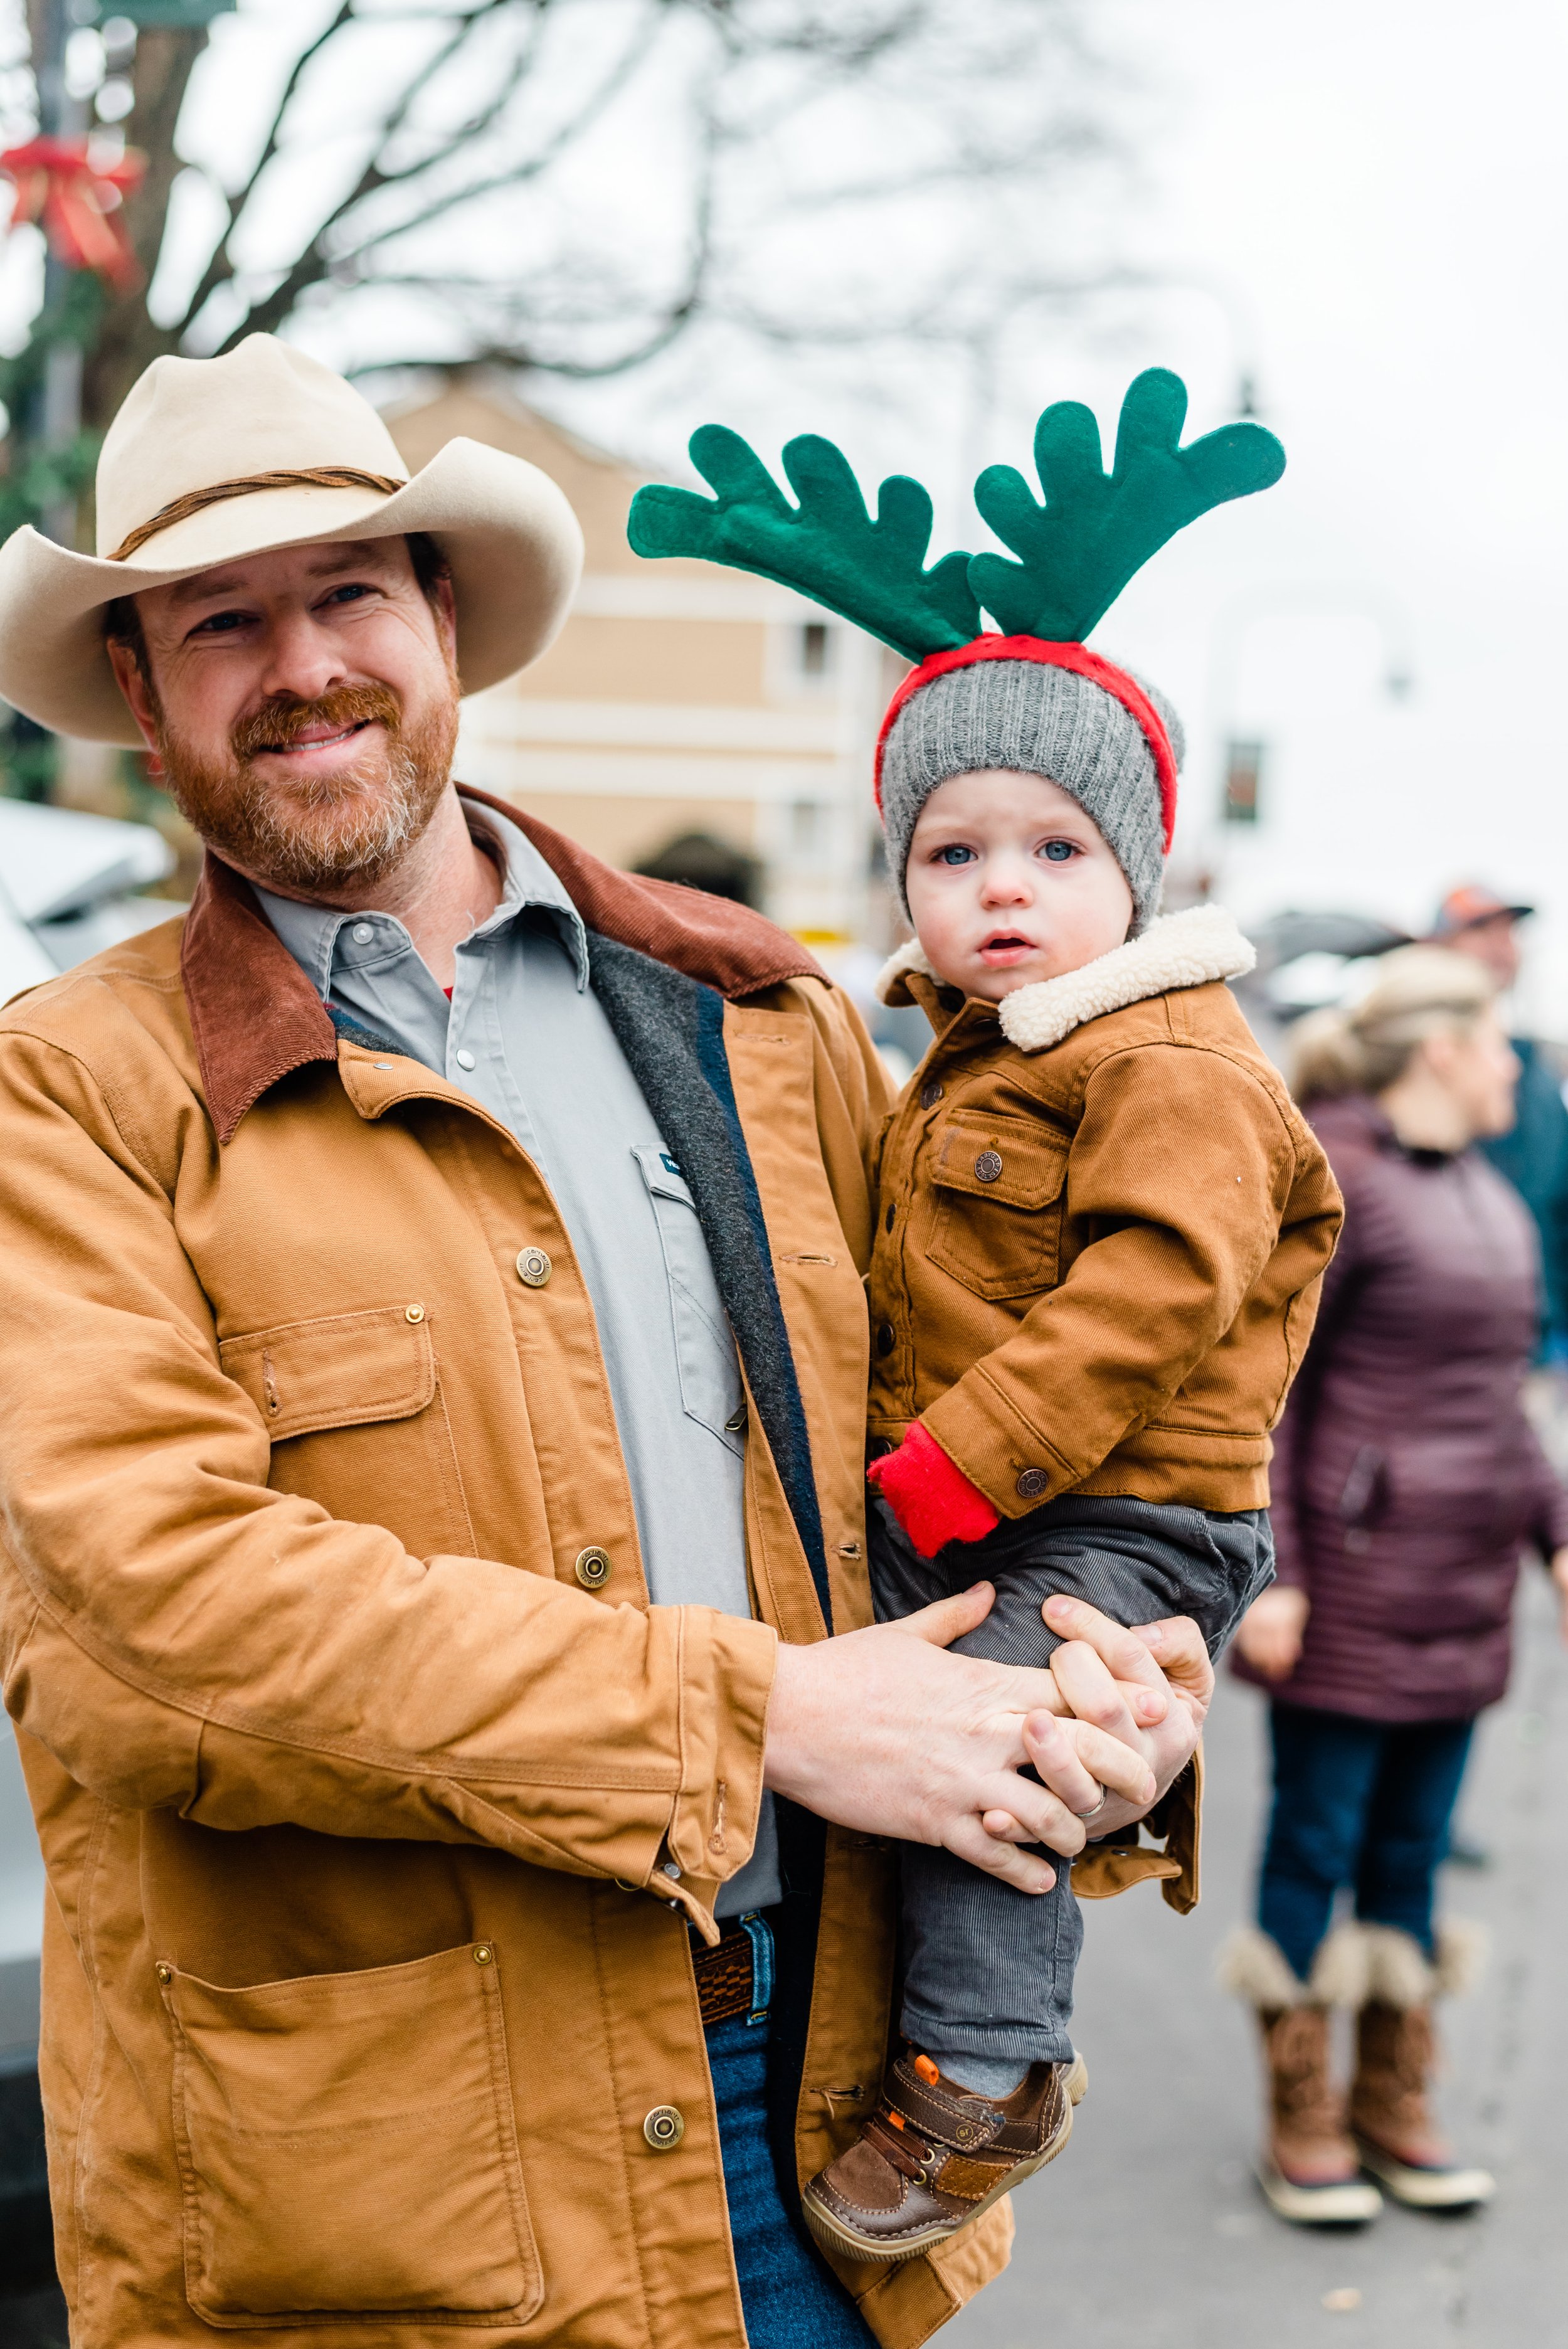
x,y
1146,1689
1559,1570
1269,1634
878,1730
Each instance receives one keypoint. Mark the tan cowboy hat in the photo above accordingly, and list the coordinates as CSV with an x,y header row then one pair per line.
x,y
213,459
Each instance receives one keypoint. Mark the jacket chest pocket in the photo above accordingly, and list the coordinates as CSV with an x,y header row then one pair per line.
x,y
711,1391
347,2146
354,1407
998,1184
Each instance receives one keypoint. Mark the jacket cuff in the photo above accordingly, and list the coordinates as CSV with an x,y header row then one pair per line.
x,y
727,1678
1103,1869
932,1500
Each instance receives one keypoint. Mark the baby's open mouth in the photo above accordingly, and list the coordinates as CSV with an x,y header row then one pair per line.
x,y
1005,947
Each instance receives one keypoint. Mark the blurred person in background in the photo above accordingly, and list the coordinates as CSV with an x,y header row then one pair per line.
x,y
1534,1153
1406,1480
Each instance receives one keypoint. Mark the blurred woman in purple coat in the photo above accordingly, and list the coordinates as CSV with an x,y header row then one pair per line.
x,y
1406,1481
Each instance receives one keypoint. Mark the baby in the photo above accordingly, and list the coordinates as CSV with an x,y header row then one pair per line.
x,y
1102,1228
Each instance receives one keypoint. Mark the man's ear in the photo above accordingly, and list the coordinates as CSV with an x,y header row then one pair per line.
x,y
444,604
139,695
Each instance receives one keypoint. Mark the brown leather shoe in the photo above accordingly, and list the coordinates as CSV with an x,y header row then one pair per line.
x,y
932,2156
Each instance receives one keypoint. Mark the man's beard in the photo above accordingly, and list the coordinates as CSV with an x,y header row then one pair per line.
x,y
354,824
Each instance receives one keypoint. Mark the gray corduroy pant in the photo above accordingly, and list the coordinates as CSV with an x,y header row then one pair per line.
x,y
989,1972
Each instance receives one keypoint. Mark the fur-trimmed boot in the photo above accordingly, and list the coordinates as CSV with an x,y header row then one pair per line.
x,y
1309,2170
1395,2130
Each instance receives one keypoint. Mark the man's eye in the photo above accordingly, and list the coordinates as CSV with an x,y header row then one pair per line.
x,y
220,624
956,854
1058,852
348,595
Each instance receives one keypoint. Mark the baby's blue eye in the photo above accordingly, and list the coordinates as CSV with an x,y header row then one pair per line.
x,y
1058,851
955,853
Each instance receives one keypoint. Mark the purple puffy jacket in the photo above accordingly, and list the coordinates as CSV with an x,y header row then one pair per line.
x,y
1406,1477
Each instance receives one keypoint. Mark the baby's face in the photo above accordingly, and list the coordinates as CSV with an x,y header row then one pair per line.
x,y
1009,881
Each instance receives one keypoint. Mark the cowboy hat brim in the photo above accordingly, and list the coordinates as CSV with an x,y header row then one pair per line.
x,y
514,543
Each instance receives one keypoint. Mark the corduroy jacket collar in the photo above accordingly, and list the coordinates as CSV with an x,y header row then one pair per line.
x,y
255,1015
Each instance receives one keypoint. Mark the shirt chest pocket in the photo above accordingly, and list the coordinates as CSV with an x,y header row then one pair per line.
x,y
352,1404
998,1184
711,1391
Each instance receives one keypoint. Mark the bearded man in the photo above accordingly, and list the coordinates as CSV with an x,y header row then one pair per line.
x,y
432,1373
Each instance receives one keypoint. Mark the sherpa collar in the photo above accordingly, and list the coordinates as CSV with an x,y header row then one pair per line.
x,y
1186,949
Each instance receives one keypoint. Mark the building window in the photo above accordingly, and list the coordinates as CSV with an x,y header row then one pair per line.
x,y
814,649
1243,781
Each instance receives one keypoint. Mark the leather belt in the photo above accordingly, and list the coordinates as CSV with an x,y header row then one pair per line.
x,y
736,1975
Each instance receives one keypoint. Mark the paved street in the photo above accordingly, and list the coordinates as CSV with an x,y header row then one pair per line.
x,y
1148,2231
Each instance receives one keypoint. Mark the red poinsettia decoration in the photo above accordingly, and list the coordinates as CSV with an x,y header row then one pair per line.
x,y
77,196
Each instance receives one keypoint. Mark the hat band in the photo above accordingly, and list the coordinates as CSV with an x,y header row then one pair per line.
x,y
312,477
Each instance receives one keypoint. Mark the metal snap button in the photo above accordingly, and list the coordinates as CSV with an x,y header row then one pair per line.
x,y
887,1337
1032,1483
413,1313
534,1268
988,1166
363,934
932,1093
592,1568
165,1973
464,1057
483,1954
665,2128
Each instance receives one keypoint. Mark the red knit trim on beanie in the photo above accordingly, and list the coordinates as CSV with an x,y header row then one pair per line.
x,y
1082,663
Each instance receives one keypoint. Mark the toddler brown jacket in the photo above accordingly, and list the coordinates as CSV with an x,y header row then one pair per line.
x,y
1103,1228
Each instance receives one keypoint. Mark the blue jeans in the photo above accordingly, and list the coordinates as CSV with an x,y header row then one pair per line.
x,y
791,2298
1357,1803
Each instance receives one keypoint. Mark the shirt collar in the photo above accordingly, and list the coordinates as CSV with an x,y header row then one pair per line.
x,y
311,933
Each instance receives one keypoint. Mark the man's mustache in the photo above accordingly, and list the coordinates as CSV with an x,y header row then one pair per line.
x,y
282,719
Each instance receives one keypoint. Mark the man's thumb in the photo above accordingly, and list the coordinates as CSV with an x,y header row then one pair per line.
x,y
949,1618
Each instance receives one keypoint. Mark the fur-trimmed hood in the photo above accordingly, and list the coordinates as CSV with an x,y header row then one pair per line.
x,y
1186,949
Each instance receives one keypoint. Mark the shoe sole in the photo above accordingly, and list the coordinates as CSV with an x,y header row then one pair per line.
x,y
1356,2203
1426,2189
846,2244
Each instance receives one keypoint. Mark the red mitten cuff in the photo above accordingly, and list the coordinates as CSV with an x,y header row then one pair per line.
x,y
932,1500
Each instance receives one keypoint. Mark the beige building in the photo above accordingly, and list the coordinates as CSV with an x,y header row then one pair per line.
x,y
679,697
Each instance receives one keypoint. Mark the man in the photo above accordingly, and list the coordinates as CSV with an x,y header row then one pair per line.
x,y
1533,1154
432,1369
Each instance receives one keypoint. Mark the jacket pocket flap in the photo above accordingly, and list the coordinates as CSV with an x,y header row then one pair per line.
x,y
1022,1162
338,1371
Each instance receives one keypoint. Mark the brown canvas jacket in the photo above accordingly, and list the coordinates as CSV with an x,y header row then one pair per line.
x,y
371,1834
1103,1227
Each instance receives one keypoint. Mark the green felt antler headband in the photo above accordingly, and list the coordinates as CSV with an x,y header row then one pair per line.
x,y
1076,546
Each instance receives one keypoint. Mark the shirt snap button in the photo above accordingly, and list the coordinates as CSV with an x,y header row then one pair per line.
x,y
988,1166
464,1057
484,1955
534,1268
1032,1483
665,2128
887,1337
931,1094
592,1568
363,934
413,1313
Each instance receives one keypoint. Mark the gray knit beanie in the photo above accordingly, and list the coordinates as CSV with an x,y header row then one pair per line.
x,y
1042,720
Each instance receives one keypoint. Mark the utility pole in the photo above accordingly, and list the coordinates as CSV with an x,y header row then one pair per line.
x,y
58,417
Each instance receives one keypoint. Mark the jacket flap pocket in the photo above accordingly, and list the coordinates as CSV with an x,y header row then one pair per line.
x,y
339,1371
1022,1162
348,2146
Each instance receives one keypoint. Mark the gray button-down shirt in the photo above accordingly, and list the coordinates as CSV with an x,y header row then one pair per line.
x,y
526,1035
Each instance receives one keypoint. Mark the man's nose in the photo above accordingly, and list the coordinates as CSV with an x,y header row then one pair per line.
x,y
300,657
